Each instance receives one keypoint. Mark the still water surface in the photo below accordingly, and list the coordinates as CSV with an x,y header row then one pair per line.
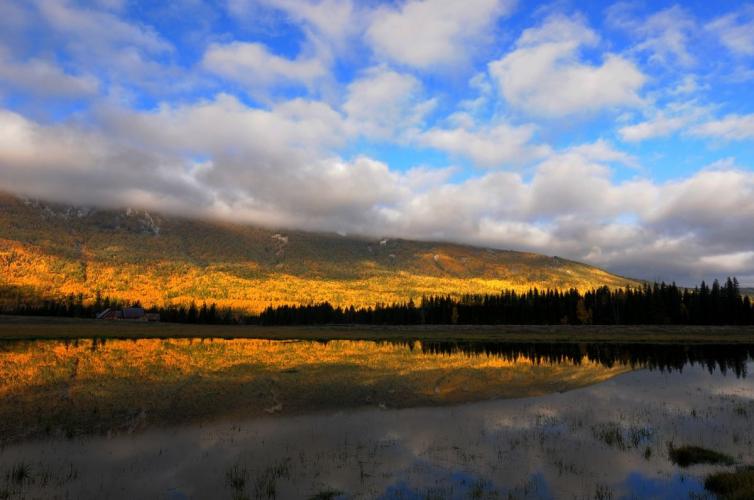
x,y
149,419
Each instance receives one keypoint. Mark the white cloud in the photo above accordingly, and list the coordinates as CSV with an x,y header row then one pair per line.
x,y
329,26
129,56
729,262
731,127
543,75
492,146
332,20
666,35
602,151
736,31
45,79
89,30
283,164
662,123
277,167
689,84
659,126
383,103
71,163
254,66
426,33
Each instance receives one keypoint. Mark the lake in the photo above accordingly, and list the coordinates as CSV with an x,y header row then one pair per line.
x,y
244,418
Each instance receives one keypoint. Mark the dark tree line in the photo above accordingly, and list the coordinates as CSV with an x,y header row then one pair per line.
x,y
653,304
74,306
664,357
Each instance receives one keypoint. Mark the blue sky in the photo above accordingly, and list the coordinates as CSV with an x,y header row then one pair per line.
x,y
617,133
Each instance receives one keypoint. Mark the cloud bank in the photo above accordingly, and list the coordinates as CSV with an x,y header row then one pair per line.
x,y
364,126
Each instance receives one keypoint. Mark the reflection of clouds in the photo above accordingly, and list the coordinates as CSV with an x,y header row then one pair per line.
x,y
546,445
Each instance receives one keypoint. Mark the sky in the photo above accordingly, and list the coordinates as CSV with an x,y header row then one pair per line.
x,y
620,134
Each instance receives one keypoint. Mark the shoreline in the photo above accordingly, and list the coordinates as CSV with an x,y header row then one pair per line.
x,y
17,328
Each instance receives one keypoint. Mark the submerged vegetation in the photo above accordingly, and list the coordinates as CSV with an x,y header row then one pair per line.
x,y
686,456
736,485
589,443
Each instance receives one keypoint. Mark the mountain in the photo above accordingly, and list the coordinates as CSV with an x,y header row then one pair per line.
x,y
49,249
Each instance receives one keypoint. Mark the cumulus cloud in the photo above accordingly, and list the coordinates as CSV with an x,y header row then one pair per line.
x,y
544,76
279,167
332,21
89,29
658,126
45,78
663,122
494,146
425,33
72,163
731,127
252,65
365,74
96,39
736,31
383,103
665,35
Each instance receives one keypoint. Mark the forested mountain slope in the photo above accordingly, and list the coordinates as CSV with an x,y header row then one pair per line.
x,y
51,250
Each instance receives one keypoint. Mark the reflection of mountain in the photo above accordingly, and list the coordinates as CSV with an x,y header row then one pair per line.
x,y
108,384
53,249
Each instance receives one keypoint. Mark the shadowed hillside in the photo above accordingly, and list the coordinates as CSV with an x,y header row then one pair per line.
x,y
49,249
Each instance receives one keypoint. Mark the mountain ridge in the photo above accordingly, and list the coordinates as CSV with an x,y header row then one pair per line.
x,y
57,249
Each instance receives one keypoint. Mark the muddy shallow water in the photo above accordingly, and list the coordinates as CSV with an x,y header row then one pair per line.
x,y
604,434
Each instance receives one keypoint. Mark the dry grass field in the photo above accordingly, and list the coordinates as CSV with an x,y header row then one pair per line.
x,y
29,328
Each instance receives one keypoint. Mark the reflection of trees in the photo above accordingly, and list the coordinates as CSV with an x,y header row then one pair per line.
x,y
665,357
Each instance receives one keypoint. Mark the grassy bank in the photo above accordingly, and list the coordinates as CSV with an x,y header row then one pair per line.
x,y
23,328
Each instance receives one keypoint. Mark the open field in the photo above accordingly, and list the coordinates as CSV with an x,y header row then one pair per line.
x,y
19,328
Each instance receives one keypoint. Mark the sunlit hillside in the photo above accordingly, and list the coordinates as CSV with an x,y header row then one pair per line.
x,y
51,250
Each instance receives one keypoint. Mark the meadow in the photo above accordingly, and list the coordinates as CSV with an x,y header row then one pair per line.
x,y
28,328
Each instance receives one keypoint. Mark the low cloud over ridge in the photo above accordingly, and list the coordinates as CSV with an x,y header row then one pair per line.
x,y
543,131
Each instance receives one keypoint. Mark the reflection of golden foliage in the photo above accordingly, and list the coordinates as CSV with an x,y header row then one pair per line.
x,y
91,387
247,268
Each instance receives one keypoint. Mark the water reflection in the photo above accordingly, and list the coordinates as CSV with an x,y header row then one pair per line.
x,y
560,445
71,388
665,357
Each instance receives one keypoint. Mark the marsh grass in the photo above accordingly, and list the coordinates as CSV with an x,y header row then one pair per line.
x,y
686,456
20,473
30,328
265,484
736,485
236,478
603,492
326,495
616,436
